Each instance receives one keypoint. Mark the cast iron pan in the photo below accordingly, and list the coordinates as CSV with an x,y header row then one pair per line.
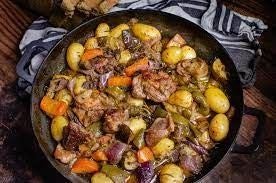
x,y
206,47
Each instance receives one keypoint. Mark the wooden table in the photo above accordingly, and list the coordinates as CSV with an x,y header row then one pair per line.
x,y
22,161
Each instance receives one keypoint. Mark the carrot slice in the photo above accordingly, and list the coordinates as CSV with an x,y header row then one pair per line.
x,y
139,65
53,107
85,165
144,155
91,53
99,156
119,81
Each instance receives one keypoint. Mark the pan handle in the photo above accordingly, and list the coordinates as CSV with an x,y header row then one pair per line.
x,y
257,139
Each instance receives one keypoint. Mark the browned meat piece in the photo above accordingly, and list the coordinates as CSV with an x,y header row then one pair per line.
x,y
88,117
137,87
56,85
74,135
104,65
100,64
69,6
197,68
182,69
94,100
154,86
131,42
113,119
63,155
191,163
106,5
160,129
152,49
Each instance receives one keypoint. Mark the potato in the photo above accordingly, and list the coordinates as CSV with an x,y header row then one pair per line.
x,y
100,178
73,55
114,43
146,32
163,147
125,56
172,55
57,125
136,124
80,80
117,31
91,43
218,70
102,30
182,98
188,53
219,127
217,100
135,101
171,173
64,95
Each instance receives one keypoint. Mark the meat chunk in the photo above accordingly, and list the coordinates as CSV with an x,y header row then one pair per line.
x,y
196,68
94,100
160,129
156,86
182,69
190,160
100,64
63,155
113,119
88,117
191,163
74,135
56,84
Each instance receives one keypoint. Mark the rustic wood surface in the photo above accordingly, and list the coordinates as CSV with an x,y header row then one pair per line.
x,y
22,161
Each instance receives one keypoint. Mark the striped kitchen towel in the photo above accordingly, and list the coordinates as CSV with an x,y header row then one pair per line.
x,y
237,33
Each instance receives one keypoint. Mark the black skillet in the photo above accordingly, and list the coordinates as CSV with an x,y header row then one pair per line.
x,y
206,47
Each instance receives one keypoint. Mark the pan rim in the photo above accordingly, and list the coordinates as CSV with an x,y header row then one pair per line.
x,y
71,177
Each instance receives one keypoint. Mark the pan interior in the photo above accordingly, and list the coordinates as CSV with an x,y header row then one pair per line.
x,y
204,44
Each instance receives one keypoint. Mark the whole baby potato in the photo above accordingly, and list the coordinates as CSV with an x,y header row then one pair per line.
x,y
146,32
172,55
217,100
181,98
64,95
102,30
78,89
91,43
73,55
57,125
171,173
219,127
163,148
117,31
188,53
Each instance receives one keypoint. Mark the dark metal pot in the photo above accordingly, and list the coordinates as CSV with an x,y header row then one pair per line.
x,y
206,47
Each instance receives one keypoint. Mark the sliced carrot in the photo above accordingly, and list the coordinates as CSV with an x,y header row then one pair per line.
x,y
99,156
53,107
140,65
85,165
144,155
91,53
119,81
